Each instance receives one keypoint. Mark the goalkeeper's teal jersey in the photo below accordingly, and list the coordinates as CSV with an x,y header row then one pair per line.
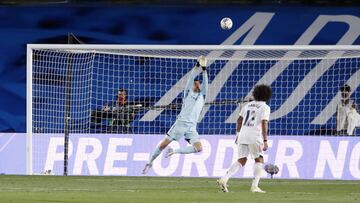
x,y
193,102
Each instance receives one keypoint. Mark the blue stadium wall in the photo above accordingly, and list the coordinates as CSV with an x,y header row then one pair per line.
x,y
147,25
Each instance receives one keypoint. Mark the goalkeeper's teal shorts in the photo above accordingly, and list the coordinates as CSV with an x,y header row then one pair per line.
x,y
183,129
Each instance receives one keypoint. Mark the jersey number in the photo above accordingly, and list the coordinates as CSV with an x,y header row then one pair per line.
x,y
250,118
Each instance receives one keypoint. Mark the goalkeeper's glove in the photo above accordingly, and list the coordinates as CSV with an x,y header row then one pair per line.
x,y
201,61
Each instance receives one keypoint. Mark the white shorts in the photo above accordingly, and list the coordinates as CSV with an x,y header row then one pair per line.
x,y
255,150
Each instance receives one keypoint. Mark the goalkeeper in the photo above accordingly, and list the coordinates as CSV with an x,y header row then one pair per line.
x,y
186,122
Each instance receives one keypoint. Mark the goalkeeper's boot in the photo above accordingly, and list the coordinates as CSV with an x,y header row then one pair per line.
x,y
257,190
147,168
222,185
169,152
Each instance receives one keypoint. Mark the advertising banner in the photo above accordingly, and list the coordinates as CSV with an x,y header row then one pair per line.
x,y
298,157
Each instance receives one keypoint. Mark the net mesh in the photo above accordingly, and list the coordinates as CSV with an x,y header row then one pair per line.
x,y
151,82
59,77
140,91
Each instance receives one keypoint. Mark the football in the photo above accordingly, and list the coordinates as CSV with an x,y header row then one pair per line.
x,y
271,169
226,23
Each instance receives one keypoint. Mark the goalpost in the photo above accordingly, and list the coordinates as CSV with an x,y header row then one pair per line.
x,y
137,89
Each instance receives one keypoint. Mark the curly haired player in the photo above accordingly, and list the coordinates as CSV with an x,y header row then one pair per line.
x,y
251,131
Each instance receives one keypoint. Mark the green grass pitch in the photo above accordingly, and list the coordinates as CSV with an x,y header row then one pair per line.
x,y
77,189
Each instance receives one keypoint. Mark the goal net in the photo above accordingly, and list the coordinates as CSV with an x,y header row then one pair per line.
x,y
106,89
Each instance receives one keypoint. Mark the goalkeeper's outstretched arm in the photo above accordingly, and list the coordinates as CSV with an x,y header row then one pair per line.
x,y
205,83
202,62
190,82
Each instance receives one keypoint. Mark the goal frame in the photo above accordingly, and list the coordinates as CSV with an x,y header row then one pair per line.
x,y
103,47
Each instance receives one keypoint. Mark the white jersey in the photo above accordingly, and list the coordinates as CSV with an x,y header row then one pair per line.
x,y
253,113
342,114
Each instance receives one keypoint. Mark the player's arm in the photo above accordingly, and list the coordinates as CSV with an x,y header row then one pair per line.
x,y
239,123
338,126
190,82
265,126
205,83
354,105
238,128
265,129
202,62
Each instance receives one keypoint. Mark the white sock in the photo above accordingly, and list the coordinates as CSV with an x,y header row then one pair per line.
x,y
156,153
185,150
232,170
258,169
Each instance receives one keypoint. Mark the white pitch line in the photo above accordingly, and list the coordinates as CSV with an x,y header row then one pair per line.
x,y
190,180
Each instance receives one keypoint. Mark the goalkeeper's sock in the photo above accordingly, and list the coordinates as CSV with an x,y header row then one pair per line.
x,y
156,153
258,168
232,170
185,150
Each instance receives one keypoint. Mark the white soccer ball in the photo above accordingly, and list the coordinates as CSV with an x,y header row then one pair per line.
x,y
226,23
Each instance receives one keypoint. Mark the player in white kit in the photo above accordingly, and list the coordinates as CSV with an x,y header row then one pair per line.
x,y
251,136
